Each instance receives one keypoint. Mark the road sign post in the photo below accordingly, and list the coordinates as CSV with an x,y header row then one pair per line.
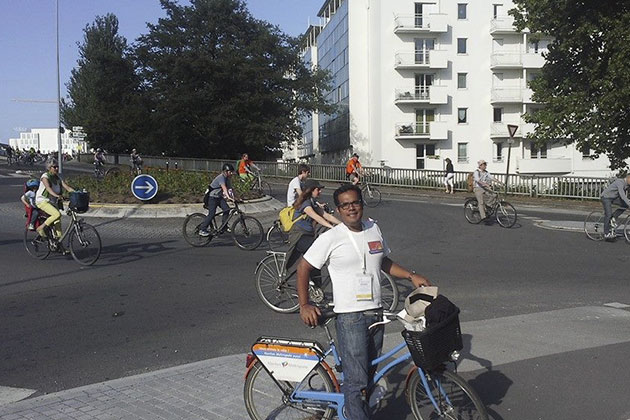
x,y
511,131
144,187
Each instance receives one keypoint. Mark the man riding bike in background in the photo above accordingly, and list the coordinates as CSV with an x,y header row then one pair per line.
x,y
220,192
482,187
296,184
354,169
99,157
617,190
136,161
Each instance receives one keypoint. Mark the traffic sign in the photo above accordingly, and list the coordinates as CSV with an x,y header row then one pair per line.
x,y
512,129
144,187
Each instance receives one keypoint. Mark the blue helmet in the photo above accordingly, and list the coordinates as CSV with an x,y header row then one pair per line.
x,y
32,183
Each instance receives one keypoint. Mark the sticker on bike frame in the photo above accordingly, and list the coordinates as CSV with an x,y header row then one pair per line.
x,y
286,363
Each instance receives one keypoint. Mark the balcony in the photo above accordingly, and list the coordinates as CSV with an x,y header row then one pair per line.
x,y
506,95
527,96
427,59
532,61
502,25
499,130
544,166
433,130
506,60
418,24
433,95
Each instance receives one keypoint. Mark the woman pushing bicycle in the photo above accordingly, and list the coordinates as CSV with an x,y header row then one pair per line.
x,y
48,197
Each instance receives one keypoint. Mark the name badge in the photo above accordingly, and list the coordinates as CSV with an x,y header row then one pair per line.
x,y
364,287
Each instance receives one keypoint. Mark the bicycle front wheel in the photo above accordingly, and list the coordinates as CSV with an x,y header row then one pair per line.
x,y
276,290
247,232
191,228
269,399
471,211
85,244
265,188
506,214
626,229
371,196
277,238
35,245
389,292
454,397
594,226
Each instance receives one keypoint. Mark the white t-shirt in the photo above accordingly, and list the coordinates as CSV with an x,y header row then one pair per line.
x,y
345,265
293,185
42,192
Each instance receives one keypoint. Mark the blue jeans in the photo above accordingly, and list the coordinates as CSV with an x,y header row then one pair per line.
x,y
608,213
357,347
213,203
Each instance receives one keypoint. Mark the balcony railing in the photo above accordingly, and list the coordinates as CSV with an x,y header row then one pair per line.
x,y
506,95
435,59
506,60
420,94
502,25
412,130
420,23
500,130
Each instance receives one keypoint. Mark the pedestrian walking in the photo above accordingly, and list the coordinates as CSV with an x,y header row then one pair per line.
x,y
449,177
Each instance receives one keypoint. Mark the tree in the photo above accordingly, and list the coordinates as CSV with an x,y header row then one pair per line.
x,y
585,83
222,83
104,94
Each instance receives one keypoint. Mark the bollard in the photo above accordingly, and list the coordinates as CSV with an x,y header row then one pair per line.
x,y
175,164
167,166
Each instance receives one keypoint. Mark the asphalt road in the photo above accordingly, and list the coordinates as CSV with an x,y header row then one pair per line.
x,y
152,301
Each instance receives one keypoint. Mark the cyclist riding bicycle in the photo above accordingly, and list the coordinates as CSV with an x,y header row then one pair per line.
x,y
295,186
482,187
617,191
220,191
136,160
354,169
48,197
99,157
245,166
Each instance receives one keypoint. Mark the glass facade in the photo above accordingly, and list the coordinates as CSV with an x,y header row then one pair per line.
x,y
334,130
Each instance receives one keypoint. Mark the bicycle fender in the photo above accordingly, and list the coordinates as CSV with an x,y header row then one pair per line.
x,y
412,370
331,374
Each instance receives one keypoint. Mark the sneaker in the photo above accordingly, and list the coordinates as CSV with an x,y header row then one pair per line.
x,y
204,233
31,226
610,236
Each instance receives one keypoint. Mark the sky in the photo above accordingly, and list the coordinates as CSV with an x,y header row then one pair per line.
x,y
28,66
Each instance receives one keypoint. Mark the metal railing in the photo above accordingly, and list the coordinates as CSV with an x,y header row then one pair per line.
x,y
527,185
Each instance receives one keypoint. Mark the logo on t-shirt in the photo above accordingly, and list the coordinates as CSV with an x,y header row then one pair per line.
x,y
376,247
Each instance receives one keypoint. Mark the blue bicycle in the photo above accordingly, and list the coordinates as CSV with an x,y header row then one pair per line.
x,y
290,379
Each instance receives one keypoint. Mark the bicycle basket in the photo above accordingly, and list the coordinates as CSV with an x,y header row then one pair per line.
x,y
79,201
287,360
433,346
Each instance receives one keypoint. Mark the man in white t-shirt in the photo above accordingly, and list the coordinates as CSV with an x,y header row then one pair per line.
x,y
356,252
295,186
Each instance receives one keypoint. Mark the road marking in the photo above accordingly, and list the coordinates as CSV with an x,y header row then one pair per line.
x,y
498,341
617,305
9,395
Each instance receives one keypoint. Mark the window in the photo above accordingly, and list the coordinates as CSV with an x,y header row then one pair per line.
x,y
423,46
533,47
418,20
461,45
461,11
423,82
422,152
498,156
461,80
496,10
498,115
586,152
462,115
538,153
462,152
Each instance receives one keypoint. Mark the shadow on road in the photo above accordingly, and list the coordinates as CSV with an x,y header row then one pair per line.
x,y
11,242
127,252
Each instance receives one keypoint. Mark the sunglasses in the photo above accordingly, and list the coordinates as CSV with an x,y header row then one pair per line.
x,y
55,166
346,206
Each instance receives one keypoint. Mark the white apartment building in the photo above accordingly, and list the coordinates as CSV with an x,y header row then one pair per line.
x,y
46,141
419,81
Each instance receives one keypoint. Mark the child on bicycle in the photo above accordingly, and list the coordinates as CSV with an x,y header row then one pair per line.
x,y
28,199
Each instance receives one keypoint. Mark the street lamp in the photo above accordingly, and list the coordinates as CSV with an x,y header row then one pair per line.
x,y
59,150
511,131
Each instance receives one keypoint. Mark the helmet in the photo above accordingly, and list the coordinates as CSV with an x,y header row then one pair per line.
x,y
99,150
32,183
227,167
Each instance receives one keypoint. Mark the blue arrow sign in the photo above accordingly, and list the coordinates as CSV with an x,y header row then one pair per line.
x,y
144,187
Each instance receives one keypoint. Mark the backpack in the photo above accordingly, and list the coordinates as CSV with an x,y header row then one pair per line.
x,y
286,216
470,182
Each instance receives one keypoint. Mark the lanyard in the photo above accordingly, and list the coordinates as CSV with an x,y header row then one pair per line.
x,y
356,247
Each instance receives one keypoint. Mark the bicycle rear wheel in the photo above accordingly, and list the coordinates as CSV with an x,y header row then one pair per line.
x,y
594,226
371,196
35,245
247,232
626,229
113,171
85,244
276,291
277,238
268,399
191,229
455,398
506,214
265,188
471,211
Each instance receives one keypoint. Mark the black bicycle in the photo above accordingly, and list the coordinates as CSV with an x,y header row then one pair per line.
x,y
504,212
246,231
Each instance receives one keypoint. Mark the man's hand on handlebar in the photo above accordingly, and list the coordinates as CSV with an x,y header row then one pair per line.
x,y
310,314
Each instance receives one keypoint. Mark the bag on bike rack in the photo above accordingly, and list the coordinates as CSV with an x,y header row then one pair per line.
x,y
287,360
80,201
433,346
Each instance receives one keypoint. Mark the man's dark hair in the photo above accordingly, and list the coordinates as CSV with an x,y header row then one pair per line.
x,y
345,188
302,167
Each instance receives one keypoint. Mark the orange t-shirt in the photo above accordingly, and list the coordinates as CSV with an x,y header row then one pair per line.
x,y
352,166
243,164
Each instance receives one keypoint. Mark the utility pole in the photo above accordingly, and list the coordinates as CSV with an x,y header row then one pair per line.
x,y
60,151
